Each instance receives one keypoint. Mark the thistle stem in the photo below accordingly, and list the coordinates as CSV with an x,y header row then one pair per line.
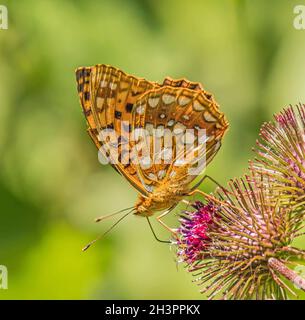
x,y
280,267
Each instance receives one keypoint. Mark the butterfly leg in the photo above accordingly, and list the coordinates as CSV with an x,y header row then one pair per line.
x,y
202,193
212,197
204,178
153,232
194,189
162,215
186,202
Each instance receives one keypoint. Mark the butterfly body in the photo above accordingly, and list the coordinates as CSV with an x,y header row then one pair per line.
x,y
171,115
163,197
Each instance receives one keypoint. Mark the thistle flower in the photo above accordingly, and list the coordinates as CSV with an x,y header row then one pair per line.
x,y
238,242
281,153
243,247
193,239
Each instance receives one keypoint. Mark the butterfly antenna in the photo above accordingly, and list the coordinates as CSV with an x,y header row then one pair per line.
x,y
102,235
111,215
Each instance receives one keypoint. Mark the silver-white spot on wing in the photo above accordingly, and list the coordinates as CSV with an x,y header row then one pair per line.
x,y
112,86
183,101
159,132
171,123
179,128
140,110
153,101
149,128
168,98
208,117
100,102
103,84
198,106
145,162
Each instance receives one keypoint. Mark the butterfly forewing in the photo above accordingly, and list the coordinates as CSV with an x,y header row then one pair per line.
x,y
107,96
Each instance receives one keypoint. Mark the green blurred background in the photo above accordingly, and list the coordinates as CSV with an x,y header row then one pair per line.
x,y
51,185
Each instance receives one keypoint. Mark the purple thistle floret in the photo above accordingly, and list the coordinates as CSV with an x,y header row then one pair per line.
x,y
192,234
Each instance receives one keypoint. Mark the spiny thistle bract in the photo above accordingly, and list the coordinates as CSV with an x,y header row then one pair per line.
x,y
245,231
238,242
281,153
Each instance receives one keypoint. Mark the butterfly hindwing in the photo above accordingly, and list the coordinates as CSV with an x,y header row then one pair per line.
x,y
173,117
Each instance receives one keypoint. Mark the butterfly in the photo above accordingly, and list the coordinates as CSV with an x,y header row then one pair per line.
x,y
165,120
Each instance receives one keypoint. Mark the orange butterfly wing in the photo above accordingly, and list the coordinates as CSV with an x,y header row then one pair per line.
x,y
172,110
114,100
107,97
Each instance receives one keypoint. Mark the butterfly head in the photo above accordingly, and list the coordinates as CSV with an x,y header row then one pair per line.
x,y
163,197
144,206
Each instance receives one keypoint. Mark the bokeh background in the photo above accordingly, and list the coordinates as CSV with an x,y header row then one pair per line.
x,y
51,185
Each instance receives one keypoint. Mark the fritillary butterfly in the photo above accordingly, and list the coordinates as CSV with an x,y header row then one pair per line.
x,y
114,100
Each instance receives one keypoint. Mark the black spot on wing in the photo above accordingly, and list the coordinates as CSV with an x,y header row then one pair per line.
x,y
87,112
117,114
82,73
87,96
129,107
80,87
